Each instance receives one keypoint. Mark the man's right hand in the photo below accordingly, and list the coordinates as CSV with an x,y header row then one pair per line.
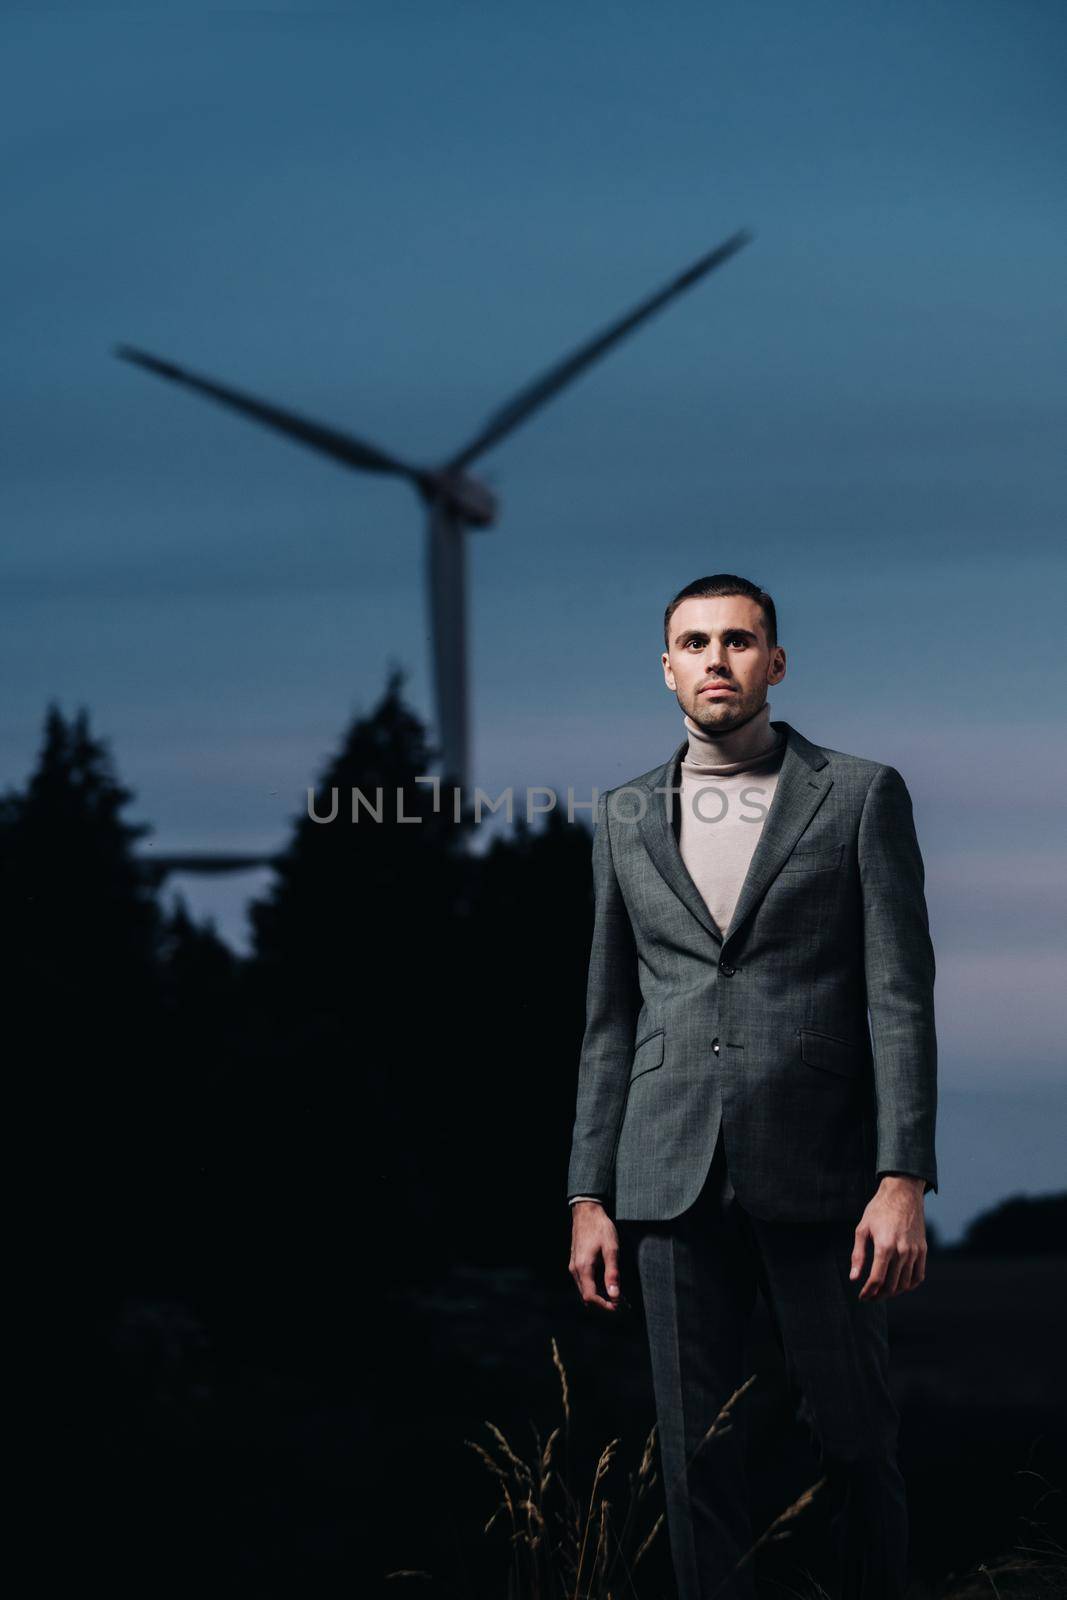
x,y
594,1264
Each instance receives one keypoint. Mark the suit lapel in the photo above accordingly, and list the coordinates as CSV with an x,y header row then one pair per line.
x,y
657,835
802,786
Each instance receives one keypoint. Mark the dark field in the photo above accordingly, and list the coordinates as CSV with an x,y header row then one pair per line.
x,y
287,1476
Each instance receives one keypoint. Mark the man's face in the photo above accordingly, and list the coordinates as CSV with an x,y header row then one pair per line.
x,y
719,664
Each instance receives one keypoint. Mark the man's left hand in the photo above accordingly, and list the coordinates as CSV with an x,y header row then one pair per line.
x,y
894,1225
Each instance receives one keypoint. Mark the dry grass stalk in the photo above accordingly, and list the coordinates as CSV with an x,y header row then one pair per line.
x,y
568,1547
777,1530
563,1544
564,1386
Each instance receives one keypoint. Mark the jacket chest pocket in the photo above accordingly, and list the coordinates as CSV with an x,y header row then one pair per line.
x,y
649,1054
823,858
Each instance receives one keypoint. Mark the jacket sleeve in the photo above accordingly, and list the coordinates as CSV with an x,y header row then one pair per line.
x,y
613,1001
899,965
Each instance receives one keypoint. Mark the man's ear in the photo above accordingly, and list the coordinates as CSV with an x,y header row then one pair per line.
x,y
668,675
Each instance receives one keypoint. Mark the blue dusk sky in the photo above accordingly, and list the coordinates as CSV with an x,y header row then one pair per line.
x,y
392,215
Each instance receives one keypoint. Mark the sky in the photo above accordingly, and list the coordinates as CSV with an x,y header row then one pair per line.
x,y
392,216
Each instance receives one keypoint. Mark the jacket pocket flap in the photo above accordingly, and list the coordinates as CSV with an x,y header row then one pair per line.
x,y
649,1054
821,859
825,1051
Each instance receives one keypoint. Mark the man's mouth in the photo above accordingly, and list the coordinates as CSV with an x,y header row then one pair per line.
x,y
718,688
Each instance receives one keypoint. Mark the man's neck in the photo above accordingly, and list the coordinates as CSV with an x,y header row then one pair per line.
x,y
732,749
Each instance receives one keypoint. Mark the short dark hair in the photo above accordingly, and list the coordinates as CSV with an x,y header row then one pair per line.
x,y
722,583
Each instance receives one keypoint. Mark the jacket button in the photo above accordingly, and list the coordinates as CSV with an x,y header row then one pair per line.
x,y
715,1046
726,971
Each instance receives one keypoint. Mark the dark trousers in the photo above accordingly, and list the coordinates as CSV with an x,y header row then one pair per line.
x,y
699,1274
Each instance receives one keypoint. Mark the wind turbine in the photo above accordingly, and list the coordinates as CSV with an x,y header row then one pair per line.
x,y
456,502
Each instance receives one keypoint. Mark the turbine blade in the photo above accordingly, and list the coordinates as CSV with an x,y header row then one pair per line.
x,y
535,394
343,447
446,553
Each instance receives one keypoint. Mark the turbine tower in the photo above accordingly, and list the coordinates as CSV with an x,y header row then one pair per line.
x,y
456,502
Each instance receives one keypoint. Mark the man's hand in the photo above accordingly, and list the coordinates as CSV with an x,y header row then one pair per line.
x,y
594,1263
894,1224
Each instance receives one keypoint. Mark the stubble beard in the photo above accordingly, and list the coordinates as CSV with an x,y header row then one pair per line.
x,y
721,716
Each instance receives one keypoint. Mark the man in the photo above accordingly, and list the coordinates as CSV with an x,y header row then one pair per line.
x,y
757,896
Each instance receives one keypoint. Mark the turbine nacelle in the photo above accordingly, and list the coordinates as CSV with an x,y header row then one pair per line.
x,y
465,497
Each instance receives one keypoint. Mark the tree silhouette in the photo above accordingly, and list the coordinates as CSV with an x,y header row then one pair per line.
x,y
417,1007
80,945
1021,1225
361,901
354,1004
200,972
80,925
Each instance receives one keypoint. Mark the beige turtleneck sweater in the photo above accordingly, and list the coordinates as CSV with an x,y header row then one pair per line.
x,y
727,784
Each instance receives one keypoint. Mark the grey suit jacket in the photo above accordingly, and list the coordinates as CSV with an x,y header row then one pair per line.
x,y
805,1029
